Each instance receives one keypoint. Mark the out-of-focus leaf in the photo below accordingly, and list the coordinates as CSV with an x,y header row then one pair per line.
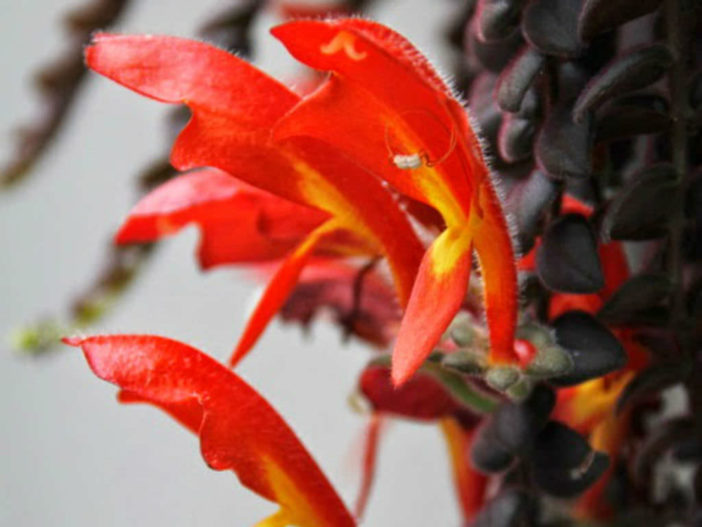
x,y
635,296
642,209
486,453
509,508
623,74
515,80
563,464
495,55
516,425
654,446
621,121
551,27
515,138
594,349
597,16
497,19
563,146
653,380
528,201
567,260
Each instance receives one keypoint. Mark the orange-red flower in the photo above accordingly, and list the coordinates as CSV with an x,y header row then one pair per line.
x,y
395,115
238,429
234,107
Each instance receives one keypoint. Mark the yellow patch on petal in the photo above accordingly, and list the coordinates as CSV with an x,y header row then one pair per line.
x,y
596,398
318,190
295,508
343,41
449,248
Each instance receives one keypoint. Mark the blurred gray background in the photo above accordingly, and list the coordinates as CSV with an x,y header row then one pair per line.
x,y
69,454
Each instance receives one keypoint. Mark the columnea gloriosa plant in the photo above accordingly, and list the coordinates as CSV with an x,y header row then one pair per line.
x,y
521,248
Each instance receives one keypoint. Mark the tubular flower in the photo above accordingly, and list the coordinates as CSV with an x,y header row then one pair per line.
x,y
238,223
238,429
234,107
395,115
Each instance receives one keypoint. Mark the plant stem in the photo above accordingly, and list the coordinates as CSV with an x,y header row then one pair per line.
x,y
678,15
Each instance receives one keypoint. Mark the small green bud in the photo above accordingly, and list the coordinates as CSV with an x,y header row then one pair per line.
x,y
465,361
550,361
502,377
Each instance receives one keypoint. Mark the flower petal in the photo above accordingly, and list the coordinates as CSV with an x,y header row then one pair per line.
x,y
439,291
279,289
238,429
239,223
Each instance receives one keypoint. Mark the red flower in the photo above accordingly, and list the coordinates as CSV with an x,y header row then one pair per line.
x,y
417,139
238,429
394,114
234,109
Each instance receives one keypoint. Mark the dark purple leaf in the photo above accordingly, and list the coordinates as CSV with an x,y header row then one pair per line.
x,y
551,27
494,55
486,453
567,260
515,138
563,147
563,464
528,202
600,15
497,19
594,349
515,80
619,122
642,209
517,424
632,71
634,297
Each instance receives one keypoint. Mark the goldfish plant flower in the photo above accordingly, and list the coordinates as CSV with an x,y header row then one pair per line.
x,y
336,152
396,116
234,107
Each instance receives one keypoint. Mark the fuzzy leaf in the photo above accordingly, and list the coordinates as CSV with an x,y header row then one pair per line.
x,y
567,260
597,16
563,146
516,425
594,349
528,202
551,27
642,209
623,74
515,138
497,19
495,55
516,79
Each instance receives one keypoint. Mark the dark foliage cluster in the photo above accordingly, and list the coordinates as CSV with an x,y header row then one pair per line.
x,y
600,100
